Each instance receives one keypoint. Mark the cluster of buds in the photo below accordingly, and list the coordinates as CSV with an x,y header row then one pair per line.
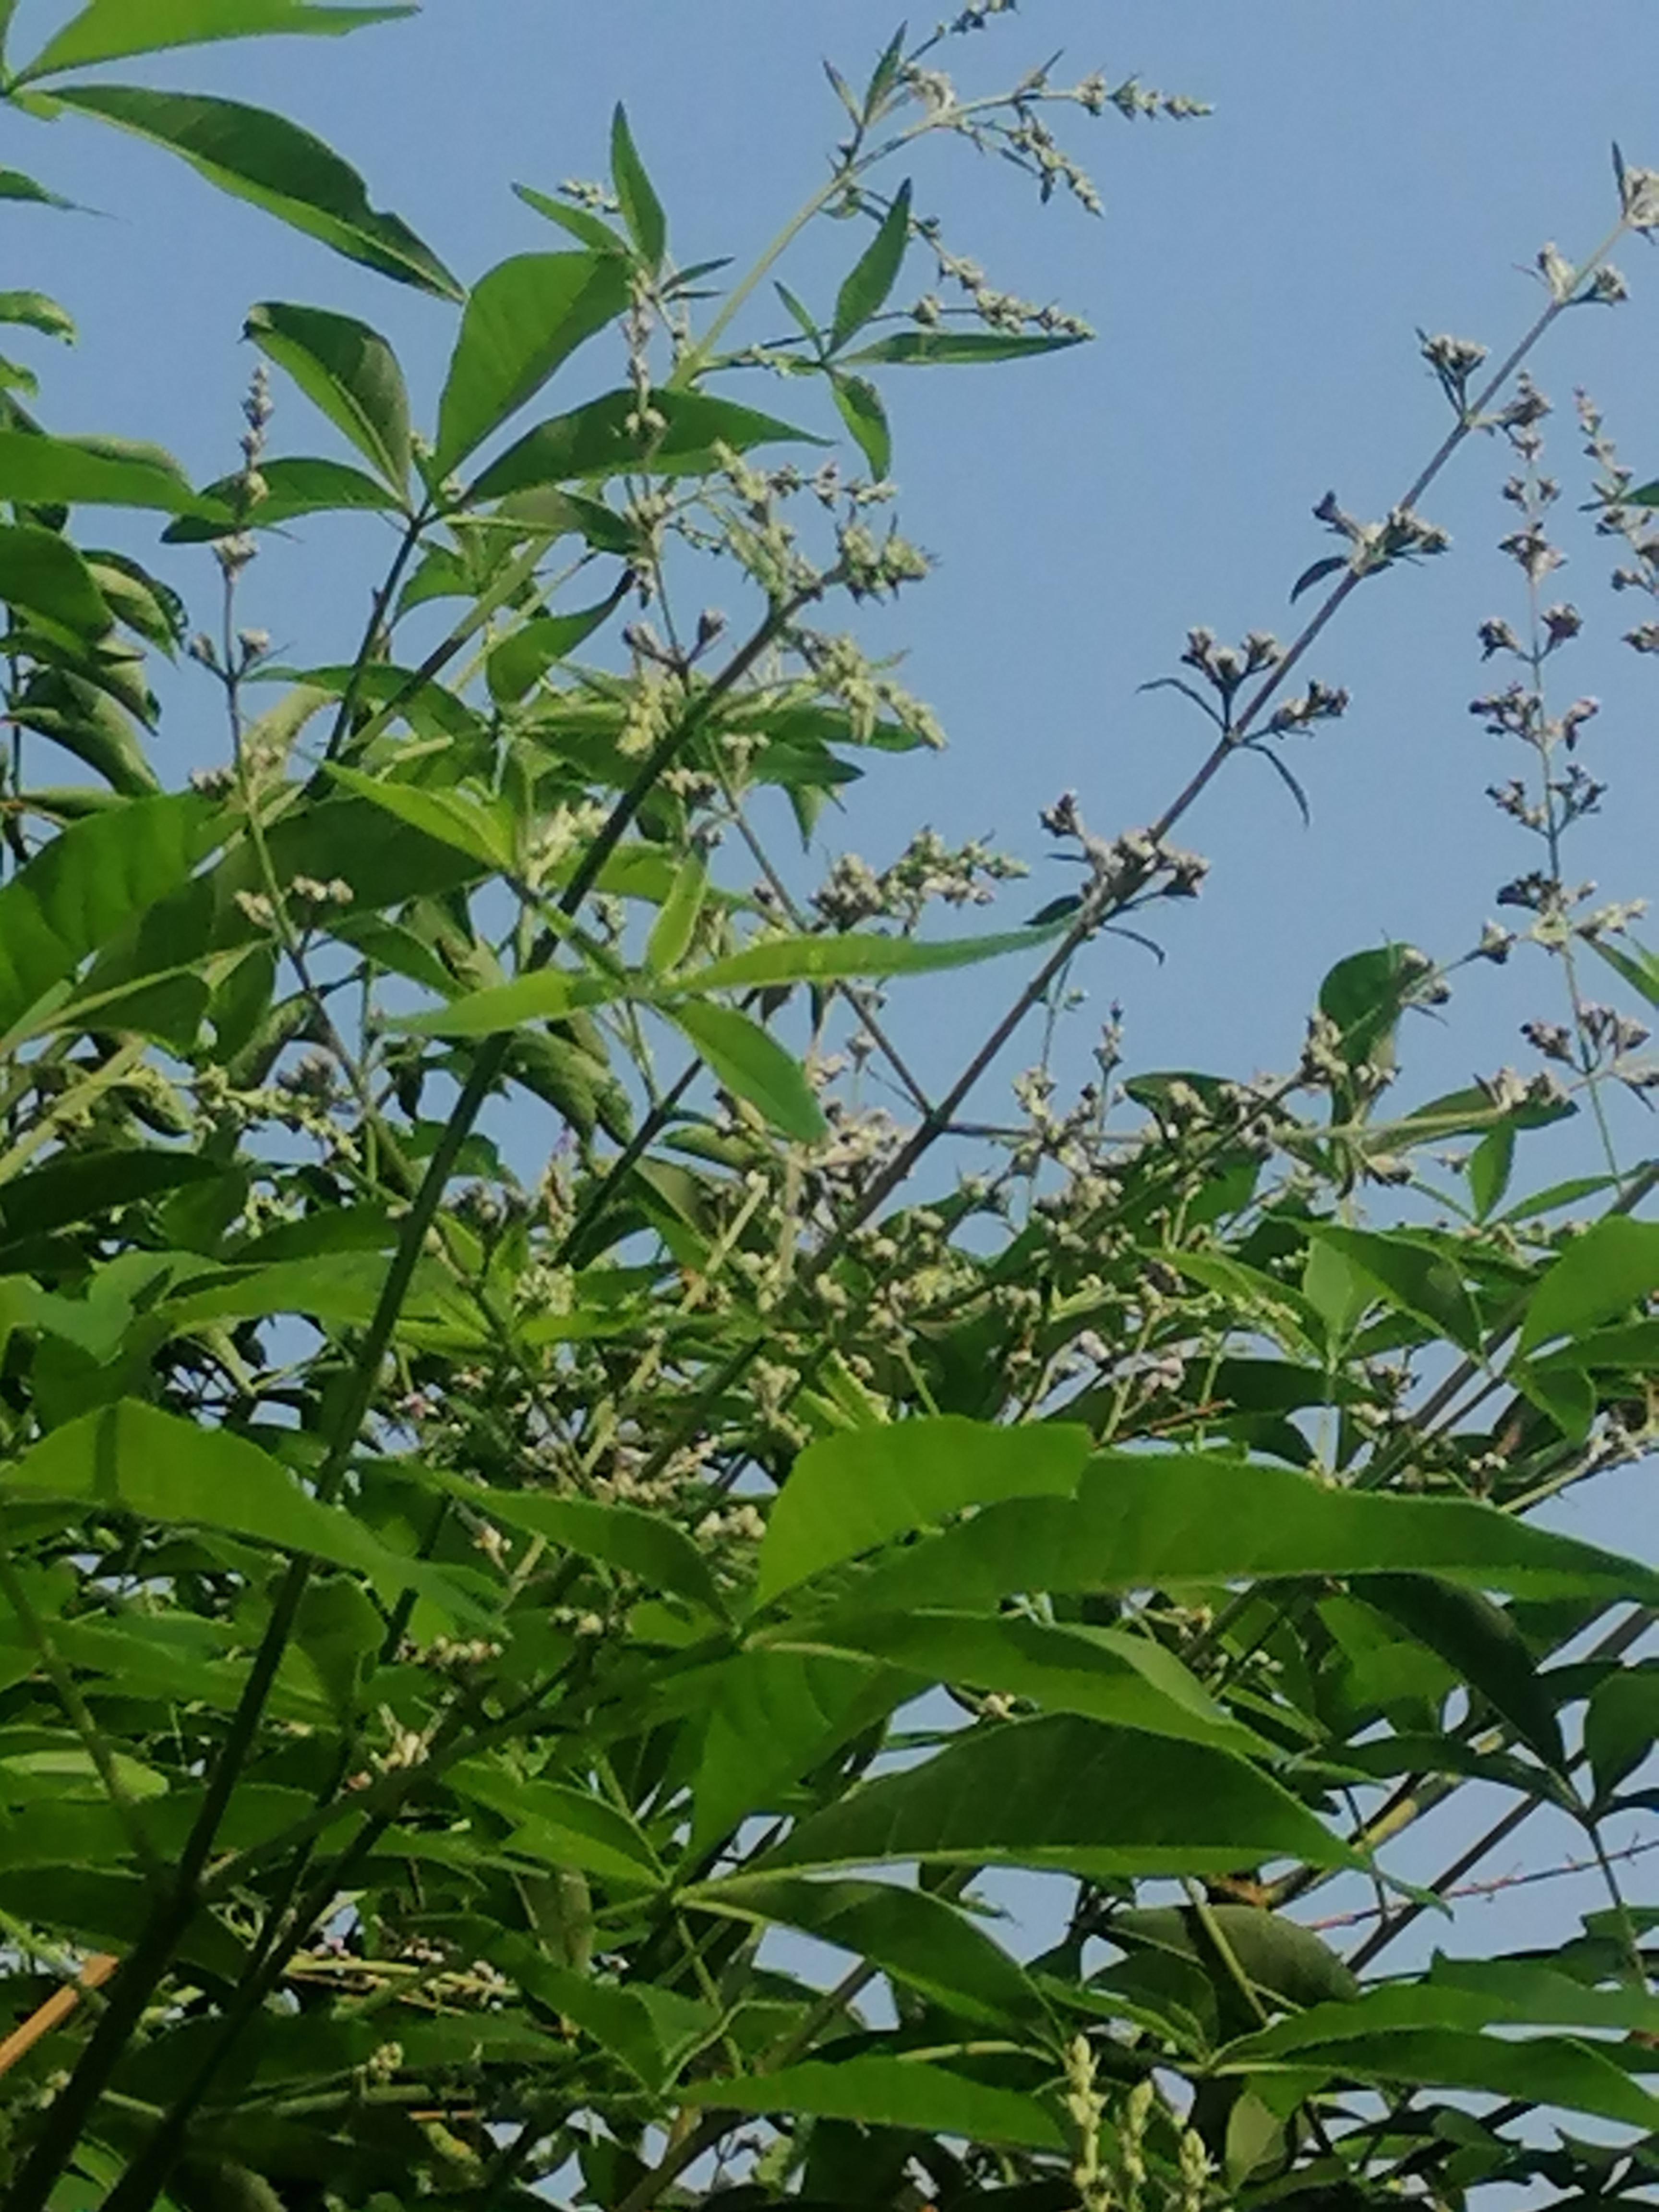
x,y
1128,868
1320,703
1403,535
1225,667
1454,361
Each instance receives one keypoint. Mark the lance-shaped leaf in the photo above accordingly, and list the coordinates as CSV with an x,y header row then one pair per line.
x,y
264,159
887,2092
300,484
922,348
873,277
642,210
43,573
753,1065
809,958
1104,1673
523,320
84,888
1544,2069
1599,1276
346,369
854,1492
41,471
922,1940
1074,1795
130,1458
1418,1280
1144,1521
606,438
108,30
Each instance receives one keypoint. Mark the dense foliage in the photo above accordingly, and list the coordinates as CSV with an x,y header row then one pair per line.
x,y
470,1635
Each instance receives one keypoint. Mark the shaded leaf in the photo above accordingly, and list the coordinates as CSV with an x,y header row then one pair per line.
x,y
1070,1794
922,1939
43,573
1477,1639
1418,1280
888,2093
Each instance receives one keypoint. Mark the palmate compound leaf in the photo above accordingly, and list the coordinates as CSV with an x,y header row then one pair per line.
x,y
108,30
1143,1520
1076,1796
272,163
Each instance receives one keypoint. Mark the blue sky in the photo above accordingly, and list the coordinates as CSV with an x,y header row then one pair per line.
x,y
1256,280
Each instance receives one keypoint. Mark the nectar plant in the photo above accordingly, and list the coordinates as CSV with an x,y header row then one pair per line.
x,y
546,1475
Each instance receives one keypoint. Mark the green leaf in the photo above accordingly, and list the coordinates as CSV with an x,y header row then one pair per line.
x,y
887,2092
348,371
274,164
522,659
1621,1723
1477,1638
1280,1957
595,441
580,222
548,996
1601,1274
471,822
1149,1520
85,887
1365,995
41,471
855,1493
108,30
14,186
910,1933
1543,2069
865,293
644,1545
130,1458
80,1186
524,317
35,311
44,573
642,210
1489,1169
1419,1281
752,1065
768,1716
813,959
300,484
861,409
1638,967
925,347
561,1824
1103,1674
675,924
1073,1795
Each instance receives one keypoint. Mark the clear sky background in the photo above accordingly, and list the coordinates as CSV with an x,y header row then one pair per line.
x,y
1256,280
